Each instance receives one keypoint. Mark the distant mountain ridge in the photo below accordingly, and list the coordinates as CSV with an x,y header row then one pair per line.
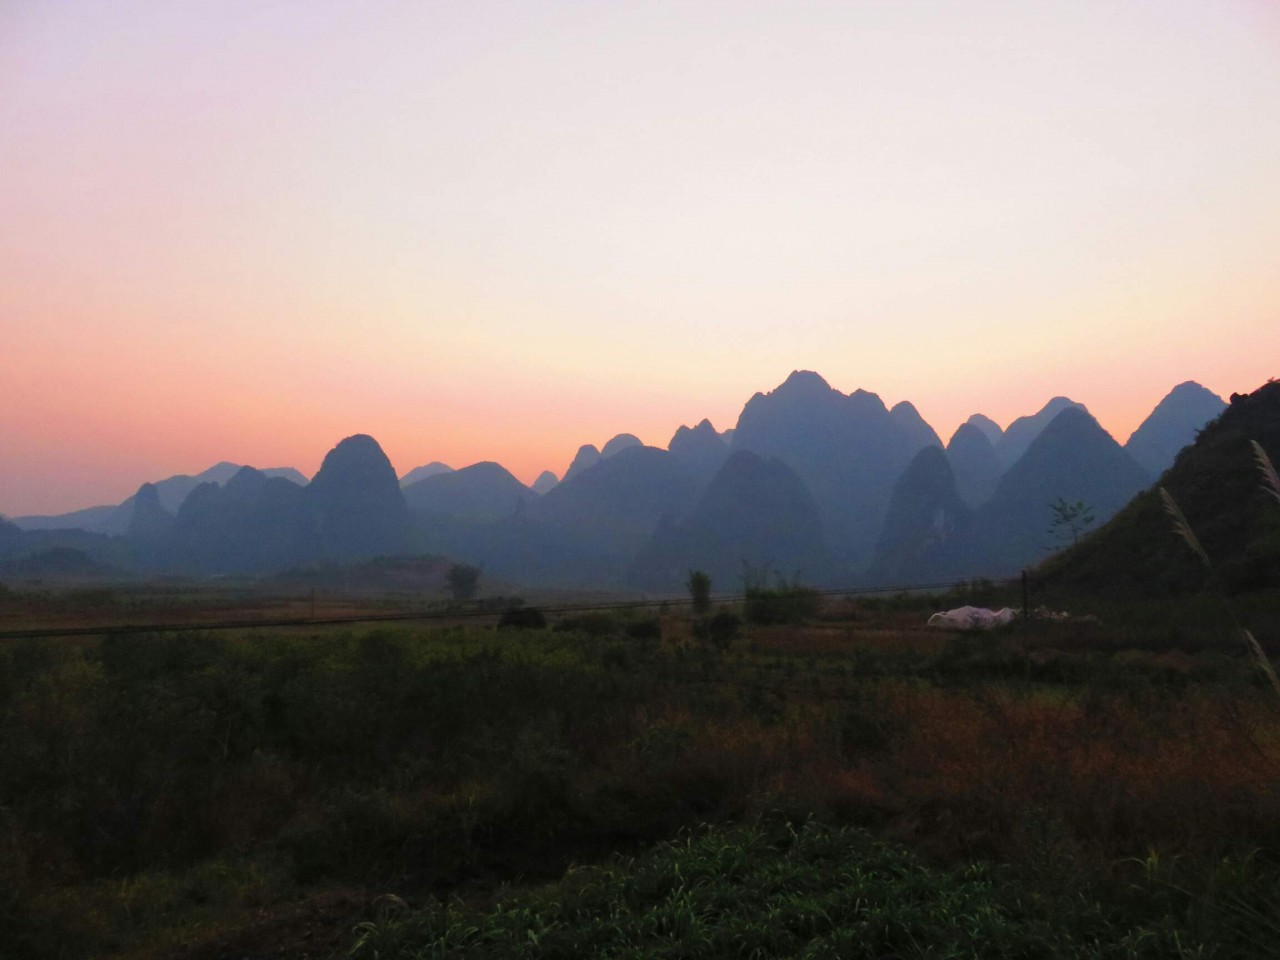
x,y
837,487
171,492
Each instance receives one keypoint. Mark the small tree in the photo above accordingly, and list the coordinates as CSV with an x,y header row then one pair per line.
x,y
699,585
1070,520
463,580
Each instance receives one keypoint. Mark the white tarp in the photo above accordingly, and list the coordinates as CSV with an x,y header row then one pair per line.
x,y
973,618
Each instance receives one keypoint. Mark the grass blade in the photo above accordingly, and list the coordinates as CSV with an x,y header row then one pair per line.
x,y
1260,657
1182,527
1270,480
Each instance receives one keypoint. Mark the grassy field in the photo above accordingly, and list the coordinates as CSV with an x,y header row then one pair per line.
x,y
645,783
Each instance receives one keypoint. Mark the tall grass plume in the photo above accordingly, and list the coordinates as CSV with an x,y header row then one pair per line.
x,y
1270,480
1183,529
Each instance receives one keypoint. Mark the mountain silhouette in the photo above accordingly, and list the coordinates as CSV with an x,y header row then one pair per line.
x,y
974,464
546,480
150,520
359,508
700,449
60,553
252,524
483,491
990,429
1019,434
586,457
1218,486
424,471
928,525
848,451
908,417
1074,459
756,514
889,503
619,443
1172,425
172,491
588,529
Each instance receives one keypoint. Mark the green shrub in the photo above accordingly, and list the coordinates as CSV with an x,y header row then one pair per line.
x,y
785,603
699,584
463,580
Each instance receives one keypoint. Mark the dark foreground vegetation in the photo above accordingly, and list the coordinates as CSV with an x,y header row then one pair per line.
x,y
649,783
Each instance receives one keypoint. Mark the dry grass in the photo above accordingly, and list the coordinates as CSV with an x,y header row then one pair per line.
x,y
1270,479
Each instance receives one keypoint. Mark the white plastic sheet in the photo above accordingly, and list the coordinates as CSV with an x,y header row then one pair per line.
x,y
973,618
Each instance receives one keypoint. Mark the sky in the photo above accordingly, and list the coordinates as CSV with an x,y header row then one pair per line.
x,y
242,230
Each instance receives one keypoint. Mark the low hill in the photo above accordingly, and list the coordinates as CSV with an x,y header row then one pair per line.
x,y
1217,484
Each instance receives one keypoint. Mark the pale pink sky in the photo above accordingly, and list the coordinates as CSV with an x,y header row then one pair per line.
x,y
243,230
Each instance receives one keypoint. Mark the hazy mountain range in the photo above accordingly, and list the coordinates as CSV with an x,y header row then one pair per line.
x,y
811,483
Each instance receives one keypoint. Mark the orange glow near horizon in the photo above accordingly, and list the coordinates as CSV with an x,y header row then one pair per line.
x,y
493,231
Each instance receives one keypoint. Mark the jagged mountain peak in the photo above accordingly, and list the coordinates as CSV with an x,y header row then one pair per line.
x,y
702,432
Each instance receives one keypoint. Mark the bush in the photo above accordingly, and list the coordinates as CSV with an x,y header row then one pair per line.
x,y
785,603
463,579
699,584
